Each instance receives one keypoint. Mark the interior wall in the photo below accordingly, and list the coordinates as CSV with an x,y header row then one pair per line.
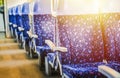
x,y
1,23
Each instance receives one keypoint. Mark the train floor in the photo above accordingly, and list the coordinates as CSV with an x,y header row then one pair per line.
x,y
15,64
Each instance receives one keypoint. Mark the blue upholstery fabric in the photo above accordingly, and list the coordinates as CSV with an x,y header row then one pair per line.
x,y
10,17
44,27
82,36
42,48
14,15
10,14
111,26
18,18
14,21
25,18
25,23
112,32
19,21
86,70
10,21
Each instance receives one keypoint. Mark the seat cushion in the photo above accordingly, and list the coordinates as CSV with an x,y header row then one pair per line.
x,y
86,70
114,65
41,49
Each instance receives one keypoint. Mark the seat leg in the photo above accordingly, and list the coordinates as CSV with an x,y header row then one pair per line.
x,y
48,68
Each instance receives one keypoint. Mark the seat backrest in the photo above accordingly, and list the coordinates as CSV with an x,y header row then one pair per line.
x,y
44,24
82,36
11,18
10,14
44,27
14,15
111,24
19,16
25,18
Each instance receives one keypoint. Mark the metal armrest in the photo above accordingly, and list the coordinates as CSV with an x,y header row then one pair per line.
x,y
50,44
61,49
14,25
20,29
109,72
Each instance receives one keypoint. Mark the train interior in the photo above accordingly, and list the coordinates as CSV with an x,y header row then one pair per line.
x,y
60,39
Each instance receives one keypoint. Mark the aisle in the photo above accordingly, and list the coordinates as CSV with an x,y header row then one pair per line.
x,y
15,64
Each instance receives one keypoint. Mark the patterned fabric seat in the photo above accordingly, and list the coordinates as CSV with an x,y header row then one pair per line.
x,y
83,71
26,26
10,17
82,36
25,19
19,21
44,27
111,24
14,21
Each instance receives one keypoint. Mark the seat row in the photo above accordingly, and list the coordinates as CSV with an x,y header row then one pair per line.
x,y
76,45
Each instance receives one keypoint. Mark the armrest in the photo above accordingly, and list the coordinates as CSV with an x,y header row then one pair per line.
x,y
50,44
14,25
54,48
61,49
109,72
10,23
20,29
32,35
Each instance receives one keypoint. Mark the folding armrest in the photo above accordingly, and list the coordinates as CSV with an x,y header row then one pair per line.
x,y
54,48
14,25
32,35
10,23
60,49
50,44
109,72
20,29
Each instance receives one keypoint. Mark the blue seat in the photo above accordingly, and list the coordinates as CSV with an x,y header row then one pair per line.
x,y
18,22
14,26
10,18
44,28
25,19
25,24
111,26
82,36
